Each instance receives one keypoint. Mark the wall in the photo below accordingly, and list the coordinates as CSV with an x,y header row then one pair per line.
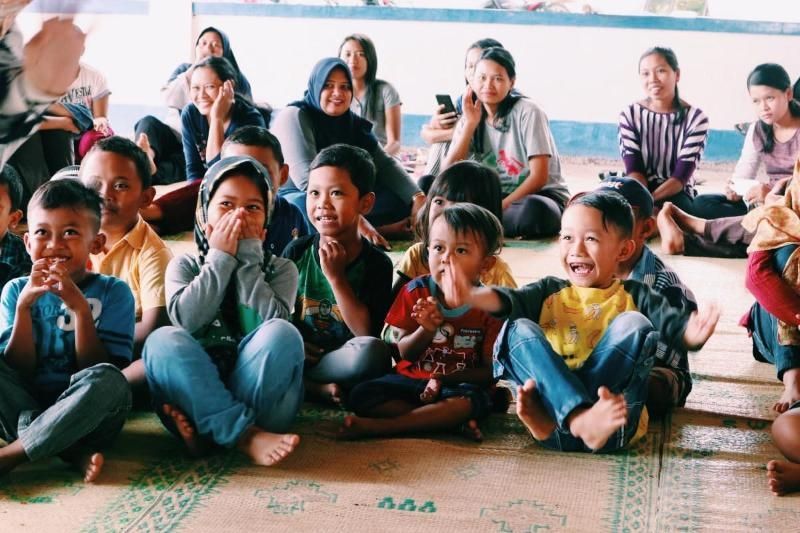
x,y
581,69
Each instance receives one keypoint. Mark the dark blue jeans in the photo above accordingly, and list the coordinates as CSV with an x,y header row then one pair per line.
x,y
621,361
765,341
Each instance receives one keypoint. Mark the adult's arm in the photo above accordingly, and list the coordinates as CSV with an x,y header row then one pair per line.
x,y
750,158
175,92
689,154
293,129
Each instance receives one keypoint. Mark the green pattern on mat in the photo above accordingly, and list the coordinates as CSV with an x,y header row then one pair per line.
x,y
633,483
517,515
44,483
292,496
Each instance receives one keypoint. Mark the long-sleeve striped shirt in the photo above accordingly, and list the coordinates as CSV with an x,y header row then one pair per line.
x,y
660,147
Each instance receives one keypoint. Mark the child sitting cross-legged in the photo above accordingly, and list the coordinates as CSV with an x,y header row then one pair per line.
x,y
345,281
581,349
230,372
445,374
64,332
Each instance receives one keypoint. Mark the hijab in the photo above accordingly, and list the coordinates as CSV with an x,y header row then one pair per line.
x,y
242,85
347,128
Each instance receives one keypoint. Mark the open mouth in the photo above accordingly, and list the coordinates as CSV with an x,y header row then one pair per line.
x,y
581,269
326,218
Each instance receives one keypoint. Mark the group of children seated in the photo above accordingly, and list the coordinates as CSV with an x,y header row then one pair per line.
x,y
278,305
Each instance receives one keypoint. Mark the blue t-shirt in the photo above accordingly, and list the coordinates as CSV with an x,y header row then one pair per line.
x,y
54,328
287,224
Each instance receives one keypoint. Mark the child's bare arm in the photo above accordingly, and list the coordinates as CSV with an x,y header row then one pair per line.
x,y
412,344
485,298
20,352
333,260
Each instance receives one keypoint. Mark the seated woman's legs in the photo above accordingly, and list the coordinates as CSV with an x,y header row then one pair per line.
x,y
710,206
533,216
167,150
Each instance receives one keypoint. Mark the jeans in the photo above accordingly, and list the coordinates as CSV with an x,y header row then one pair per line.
x,y
765,341
264,388
88,415
357,360
621,361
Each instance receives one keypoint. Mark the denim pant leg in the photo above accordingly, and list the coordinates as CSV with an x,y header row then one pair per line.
x,y
622,361
357,360
765,339
180,372
529,355
90,413
15,402
268,375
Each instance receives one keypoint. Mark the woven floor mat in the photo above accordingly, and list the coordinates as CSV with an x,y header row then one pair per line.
x,y
508,483
732,398
713,478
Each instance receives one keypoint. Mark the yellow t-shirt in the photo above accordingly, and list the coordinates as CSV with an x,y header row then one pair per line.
x,y
139,259
575,318
412,266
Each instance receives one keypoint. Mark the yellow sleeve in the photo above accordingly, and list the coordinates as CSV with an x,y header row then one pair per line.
x,y
500,275
411,264
152,266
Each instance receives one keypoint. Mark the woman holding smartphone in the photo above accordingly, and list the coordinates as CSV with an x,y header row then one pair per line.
x,y
504,130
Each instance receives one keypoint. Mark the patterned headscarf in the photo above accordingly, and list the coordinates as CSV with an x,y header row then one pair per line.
x,y
220,170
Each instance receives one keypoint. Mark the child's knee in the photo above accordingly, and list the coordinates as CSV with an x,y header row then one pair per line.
x,y
107,386
372,359
632,321
283,337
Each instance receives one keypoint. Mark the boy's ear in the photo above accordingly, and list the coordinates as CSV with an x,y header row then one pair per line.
x,y
488,263
366,203
147,196
626,250
646,228
14,218
284,175
97,243
26,239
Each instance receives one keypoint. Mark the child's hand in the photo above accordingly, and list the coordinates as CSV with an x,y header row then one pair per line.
x,y
39,283
456,286
700,326
223,102
426,313
64,287
432,391
332,259
225,235
250,228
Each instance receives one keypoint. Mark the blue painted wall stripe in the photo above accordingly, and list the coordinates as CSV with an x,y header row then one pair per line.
x,y
582,139
495,16
103,7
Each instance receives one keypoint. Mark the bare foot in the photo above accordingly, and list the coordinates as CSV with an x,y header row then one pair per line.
x,y
594,426
431,392
143,142
195,444
783,477
355,427
472,431
90,465
791,390
324,392
532,413
265,448
672,241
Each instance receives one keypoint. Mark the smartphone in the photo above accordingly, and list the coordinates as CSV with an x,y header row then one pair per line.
x,y
447,102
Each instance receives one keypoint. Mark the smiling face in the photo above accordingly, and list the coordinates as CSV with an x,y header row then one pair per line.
x,y
333,202
590,252
336,95
114,177
491,82
658,78
238,192
204,88
465,251
209,44
771,105
353,54
63,235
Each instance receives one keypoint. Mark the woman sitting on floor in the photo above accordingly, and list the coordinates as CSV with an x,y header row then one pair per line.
x,y
507,132
323,118
661,137
373,99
